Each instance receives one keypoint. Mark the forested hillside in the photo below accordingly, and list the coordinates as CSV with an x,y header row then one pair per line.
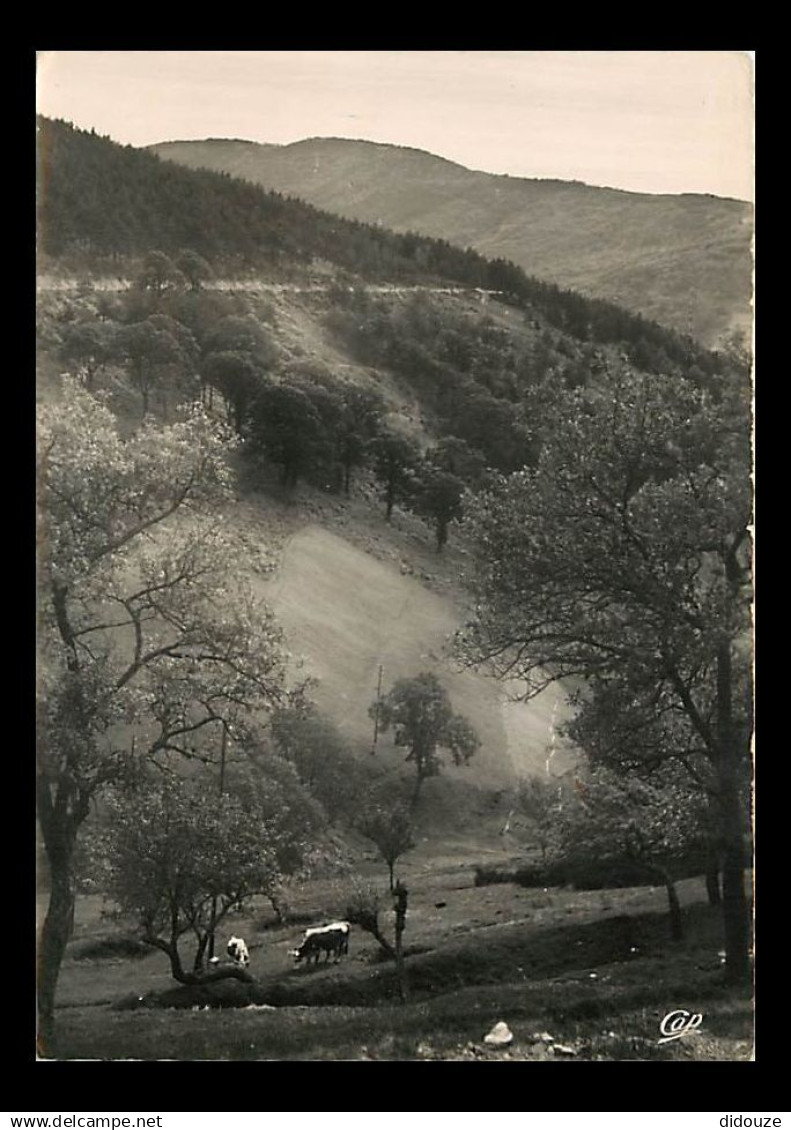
x,y
683,260
304,485
102,204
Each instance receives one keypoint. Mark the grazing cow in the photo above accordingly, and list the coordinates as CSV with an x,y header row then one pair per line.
x,y
332,938
237,951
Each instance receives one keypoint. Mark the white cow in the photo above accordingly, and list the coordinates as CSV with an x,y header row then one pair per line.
x,y
238,952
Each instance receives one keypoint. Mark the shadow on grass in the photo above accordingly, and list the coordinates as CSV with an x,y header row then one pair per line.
x,y
118,946
449,1026
649,970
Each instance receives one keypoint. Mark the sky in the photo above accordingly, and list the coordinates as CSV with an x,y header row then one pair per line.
x,y
646,121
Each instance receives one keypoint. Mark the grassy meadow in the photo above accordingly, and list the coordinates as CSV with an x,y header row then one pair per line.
x,y
576,975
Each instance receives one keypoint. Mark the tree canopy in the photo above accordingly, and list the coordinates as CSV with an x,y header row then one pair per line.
x,y
150,642
420,712
313,745
395,459
159,274
390,827
154,348
437,496
622,560
652,823
178,858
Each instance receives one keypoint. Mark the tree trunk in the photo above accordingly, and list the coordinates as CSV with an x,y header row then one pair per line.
x,y
400,923
224,973
141,376
200,953
370,924
229,972
390,867
713,879
54,938
674,908
735,911
735,908
279,906
212,926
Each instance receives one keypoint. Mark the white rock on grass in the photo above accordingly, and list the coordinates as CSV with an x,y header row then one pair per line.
x,y
563,1049
500,1036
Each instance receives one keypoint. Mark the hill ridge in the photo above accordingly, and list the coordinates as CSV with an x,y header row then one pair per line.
x,y
366,142
584,237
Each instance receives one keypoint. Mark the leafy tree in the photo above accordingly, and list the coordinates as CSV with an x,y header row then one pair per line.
x,y
437,497
494,427
323,465
390,828
358,427
419,710
181,333
312,744
184,371
287,426
537,798
394,459
237,353
364,908
651,822
158,274
619,729
458,458
243,333
622,560
178,858
149,643
195,269
88,348
238,377
200,311
150,351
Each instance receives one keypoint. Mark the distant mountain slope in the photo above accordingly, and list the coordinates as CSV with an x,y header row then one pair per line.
x,y
683,261
102,207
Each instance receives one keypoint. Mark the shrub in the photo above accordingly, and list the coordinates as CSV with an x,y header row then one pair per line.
x,y
115,946
595,875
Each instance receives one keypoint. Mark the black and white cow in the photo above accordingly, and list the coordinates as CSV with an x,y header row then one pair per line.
x,y
238,952
332,938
